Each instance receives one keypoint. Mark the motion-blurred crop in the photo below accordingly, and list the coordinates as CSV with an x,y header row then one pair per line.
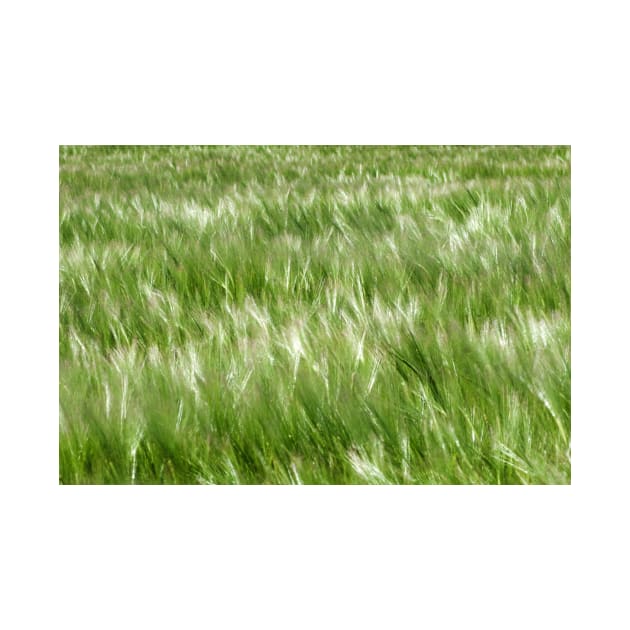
x,y
314,315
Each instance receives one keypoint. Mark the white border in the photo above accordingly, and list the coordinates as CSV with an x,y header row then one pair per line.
x,y
339,73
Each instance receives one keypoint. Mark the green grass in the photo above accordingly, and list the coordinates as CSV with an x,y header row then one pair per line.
x,y
314,315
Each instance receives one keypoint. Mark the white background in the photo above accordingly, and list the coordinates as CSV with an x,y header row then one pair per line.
x,y
313,557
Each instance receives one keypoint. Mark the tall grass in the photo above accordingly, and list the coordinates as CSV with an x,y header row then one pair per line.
x,y
314,315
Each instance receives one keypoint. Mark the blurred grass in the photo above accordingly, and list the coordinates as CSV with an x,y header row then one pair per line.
x,y
314,315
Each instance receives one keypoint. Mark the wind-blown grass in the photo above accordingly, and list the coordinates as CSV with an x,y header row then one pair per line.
x,y
314,315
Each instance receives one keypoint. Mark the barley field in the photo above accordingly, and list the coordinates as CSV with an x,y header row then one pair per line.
x,y
314,315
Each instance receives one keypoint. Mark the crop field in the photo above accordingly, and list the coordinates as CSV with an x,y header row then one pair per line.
x,y
314,315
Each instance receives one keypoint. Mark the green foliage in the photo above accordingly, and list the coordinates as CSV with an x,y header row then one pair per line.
x,y
314,315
